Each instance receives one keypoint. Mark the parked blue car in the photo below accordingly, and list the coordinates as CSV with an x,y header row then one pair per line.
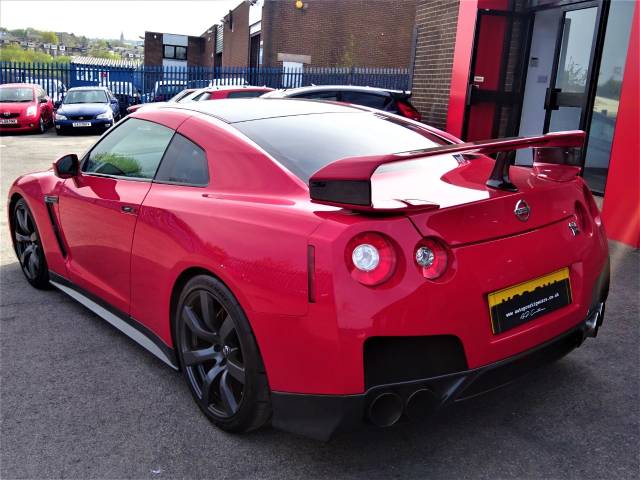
x,y
86,108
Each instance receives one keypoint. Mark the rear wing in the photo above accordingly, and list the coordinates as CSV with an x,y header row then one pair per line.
x,y
347,182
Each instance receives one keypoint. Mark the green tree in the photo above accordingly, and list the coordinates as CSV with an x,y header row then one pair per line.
x,y
49,37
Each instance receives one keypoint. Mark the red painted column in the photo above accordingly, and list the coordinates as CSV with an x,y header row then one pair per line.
x,y
621,209
467,12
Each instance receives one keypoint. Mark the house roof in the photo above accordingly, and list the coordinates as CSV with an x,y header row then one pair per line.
x,y
104,62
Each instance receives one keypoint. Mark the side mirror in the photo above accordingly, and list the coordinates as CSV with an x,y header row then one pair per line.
x,y
44,100
57,104
66,166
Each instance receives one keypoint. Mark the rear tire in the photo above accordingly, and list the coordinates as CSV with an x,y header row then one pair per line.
x,y
219,356
27,245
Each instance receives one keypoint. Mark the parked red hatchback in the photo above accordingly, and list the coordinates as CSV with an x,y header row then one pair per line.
x,y
316,264
24,107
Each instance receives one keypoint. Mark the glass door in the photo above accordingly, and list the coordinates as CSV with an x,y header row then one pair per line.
x,y
566,99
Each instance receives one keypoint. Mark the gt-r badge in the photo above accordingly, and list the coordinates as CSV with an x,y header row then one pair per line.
x,y
522,211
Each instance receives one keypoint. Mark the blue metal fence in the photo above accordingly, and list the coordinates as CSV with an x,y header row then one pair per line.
x,y
144,83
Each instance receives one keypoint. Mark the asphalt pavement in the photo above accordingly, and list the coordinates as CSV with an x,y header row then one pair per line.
x,y
78,399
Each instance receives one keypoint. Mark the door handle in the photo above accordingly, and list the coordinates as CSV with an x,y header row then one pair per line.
x,y
551,98
127,209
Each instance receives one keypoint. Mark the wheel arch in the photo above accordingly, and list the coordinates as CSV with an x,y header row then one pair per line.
x,y
181,280
13,199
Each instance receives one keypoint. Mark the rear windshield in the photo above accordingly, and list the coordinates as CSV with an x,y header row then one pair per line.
x,y
306,143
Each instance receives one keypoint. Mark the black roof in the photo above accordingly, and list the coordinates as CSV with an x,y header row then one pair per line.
x,y
246,109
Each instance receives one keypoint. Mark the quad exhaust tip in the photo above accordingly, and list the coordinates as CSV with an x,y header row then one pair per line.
x,y
385,409
421,404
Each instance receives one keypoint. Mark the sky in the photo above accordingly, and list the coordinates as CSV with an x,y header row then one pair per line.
x,y
108,18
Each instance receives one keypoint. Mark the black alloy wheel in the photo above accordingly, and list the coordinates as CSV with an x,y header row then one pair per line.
x,y
219,356
28,247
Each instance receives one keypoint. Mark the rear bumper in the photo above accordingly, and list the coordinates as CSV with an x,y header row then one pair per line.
x,y
320,416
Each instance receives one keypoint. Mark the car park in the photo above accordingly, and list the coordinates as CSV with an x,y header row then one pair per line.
x,y
394,101
86,109
262,266
24,108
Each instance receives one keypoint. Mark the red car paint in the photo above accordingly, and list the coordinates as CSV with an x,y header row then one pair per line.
x,y
253,227
18,111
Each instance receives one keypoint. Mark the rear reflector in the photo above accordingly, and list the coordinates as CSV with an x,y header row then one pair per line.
x,y
311,273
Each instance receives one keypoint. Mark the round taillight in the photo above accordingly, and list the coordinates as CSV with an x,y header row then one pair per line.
x,y
370,258
432,258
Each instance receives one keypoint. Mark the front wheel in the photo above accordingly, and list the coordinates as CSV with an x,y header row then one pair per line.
x,y
42,127
28,247
219,356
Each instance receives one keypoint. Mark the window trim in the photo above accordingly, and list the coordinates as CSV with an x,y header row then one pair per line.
x,y
183,184
120,177
174,57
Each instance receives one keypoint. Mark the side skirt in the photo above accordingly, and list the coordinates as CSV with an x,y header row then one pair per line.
x,y
123,322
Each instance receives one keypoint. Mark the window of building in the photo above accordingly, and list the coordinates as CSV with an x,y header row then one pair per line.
x,y
175,52
184,163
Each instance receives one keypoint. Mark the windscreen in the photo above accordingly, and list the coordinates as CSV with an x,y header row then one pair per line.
x,y
85,96
306,143
16,95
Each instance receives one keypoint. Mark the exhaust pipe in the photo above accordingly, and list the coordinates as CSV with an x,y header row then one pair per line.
x,y
421,403
385,409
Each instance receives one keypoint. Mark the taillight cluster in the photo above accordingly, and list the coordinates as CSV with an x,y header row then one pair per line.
x,y
407,110
371,258
432,258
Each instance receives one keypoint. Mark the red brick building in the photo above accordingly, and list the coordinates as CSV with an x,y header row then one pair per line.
x,y
324,33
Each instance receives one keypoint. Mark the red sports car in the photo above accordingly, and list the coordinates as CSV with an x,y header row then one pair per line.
x,y
317,264
24,108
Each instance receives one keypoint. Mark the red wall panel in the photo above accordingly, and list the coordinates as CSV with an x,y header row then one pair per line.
x,y
621,210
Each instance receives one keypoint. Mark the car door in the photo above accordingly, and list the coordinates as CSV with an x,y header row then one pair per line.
x,y
99,207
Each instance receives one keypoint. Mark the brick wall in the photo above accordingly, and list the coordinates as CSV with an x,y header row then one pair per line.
x,y
209,53
196,51
152,48
436,23
235,45
363,33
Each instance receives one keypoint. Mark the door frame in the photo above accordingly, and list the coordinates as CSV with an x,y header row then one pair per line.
x,y
500,96
590,85
594,62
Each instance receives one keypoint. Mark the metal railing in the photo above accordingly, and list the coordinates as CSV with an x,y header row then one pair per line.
x,y
151,83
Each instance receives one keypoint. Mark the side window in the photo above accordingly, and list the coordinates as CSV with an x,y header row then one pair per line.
x,y
133,149
320,96
201,96
245,94
184,163
366,99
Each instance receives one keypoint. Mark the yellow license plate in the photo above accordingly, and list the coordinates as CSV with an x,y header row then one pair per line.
x,y
513,306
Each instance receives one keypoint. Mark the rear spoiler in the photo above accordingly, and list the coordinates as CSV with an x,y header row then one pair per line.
x,y
347,182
